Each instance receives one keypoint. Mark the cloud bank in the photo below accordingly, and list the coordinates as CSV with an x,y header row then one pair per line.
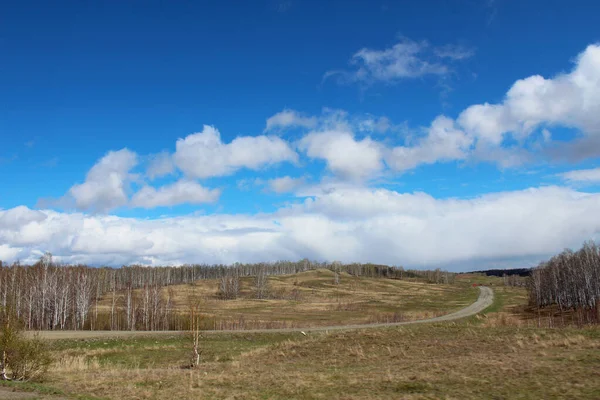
x,y
352,224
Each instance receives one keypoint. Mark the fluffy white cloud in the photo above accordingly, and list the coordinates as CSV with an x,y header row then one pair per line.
x,y
350,224
443,142
290,118
531,105
180,192
345,156
160,165
571,100
284,184
479,133
20,216
591,175
204,155
107,183
8,253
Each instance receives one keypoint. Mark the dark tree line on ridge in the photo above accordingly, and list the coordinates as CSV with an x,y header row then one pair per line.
x,y
569,281
522,272
48,296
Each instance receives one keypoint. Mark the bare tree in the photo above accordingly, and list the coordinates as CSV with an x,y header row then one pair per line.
x,y
261,283
336,266
571,281
46,295
194,315
229,284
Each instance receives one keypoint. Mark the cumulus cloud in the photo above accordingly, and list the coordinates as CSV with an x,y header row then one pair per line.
x,y
160,165
443,142
590,176
480,132
180,192
351,224
344,155
204,155
20,216
290,118
107,183
571,100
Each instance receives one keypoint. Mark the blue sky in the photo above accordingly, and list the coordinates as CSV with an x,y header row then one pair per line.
x,y
358,131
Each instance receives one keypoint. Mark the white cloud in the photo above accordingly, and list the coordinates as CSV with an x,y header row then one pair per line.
x,y
9,253
204,155
20,216
443,142
290,118
285,184
571,100
160,165
402,60
582,175
407,59
107,183
480,132
351,224
180,192
422,230
487,122
503,157
345,156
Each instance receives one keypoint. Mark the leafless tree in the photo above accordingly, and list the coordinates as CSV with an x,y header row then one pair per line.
x,y
261,283
229,284
47,295
194,317
571,281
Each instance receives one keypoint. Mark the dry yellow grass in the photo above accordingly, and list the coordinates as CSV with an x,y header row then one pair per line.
x,y
311,299
454,361
497,355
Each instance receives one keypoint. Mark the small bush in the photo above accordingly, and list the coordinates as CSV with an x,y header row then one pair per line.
x,y
21,359
30,359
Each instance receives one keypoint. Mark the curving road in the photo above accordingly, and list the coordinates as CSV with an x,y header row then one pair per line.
x,y
486,298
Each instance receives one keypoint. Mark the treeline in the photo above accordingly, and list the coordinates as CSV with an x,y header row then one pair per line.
x,y
523,272
571,281
48,296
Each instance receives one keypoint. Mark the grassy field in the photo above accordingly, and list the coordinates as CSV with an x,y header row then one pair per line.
x,y
498,354
311,299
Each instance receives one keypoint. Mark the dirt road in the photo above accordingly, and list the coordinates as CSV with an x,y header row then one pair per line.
x,y
486,298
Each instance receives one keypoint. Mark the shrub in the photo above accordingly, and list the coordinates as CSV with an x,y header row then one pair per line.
x,y
21,358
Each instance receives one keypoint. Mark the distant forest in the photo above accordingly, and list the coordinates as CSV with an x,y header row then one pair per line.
x,y
524,272
48,296
570,283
